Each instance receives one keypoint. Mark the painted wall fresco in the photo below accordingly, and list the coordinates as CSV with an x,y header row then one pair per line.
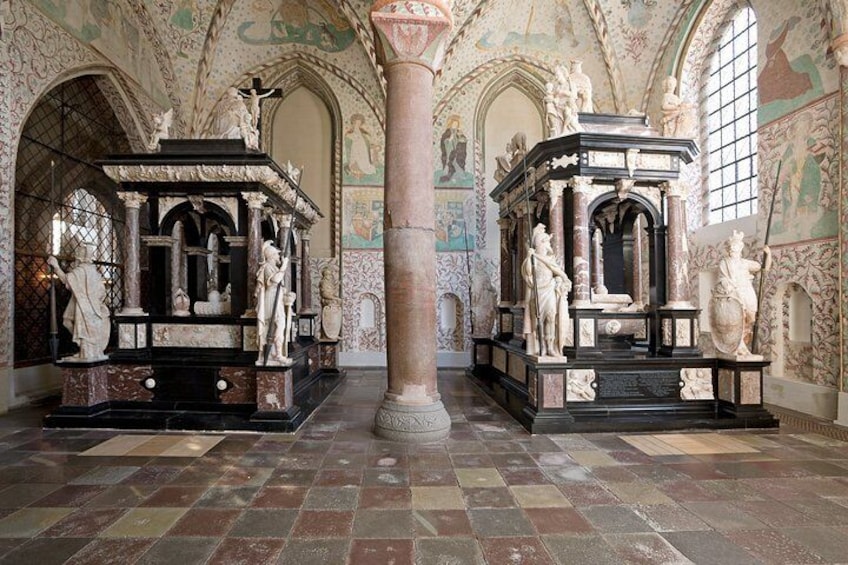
x,y
110,28
454,157
317,23
532,24
455,229
362,218
807,143
795,67
363,153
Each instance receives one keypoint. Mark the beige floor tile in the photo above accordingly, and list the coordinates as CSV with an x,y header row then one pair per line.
x,y
192,446
483,477
437,498
29,522
144,523
638,493
117,446
156,446
539,496
593,458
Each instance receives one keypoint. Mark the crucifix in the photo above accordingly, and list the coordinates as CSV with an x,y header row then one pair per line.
x,y
255,94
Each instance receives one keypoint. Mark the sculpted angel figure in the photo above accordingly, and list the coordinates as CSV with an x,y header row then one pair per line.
x,y
161,128
678,117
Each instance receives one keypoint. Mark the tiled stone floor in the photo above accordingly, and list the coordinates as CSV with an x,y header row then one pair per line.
x,y
334,494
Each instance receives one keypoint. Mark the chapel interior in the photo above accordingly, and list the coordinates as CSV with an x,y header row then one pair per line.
x,y
429,281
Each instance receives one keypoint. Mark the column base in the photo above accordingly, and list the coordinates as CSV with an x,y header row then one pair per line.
x,y
412,423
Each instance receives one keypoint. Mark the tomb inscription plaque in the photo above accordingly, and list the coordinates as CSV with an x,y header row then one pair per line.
x,y
639,385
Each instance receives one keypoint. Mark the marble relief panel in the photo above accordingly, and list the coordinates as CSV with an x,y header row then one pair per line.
x,y
554,390
517,368
499,359
580,385
726,390
587,333
185,335
697,384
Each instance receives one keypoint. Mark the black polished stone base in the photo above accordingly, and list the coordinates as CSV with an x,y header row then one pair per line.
x,y
198,416
656,407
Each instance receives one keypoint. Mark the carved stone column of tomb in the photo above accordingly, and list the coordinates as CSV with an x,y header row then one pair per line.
x,y
677,250
132,253
581,243
255,202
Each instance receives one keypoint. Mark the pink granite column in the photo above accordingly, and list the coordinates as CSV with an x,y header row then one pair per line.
x,y
132,258
580,187
555,219
521,232
677,267
638,280
255,201
411,38
507,296
305,275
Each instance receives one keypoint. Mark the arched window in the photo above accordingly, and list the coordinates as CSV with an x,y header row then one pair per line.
x,y
732,121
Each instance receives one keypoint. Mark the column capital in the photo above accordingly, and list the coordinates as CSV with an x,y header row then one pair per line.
x,y
580,184
675,188
412,31
504,222
555,189
132,199
255,200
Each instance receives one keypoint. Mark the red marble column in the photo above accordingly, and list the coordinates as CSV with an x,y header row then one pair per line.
x,y
506,262
677,266
132,260
411,38
580,187
255,201
555,219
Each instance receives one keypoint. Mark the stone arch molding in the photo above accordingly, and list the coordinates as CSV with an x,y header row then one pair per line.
x,y
525,75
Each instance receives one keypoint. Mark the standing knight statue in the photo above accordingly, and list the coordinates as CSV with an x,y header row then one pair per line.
x,y
733,306
273,308
547,287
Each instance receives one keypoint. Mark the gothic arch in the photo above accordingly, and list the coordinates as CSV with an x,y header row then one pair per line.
x,y
528,77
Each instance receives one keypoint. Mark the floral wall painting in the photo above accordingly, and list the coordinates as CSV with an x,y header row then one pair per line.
x,y
309,22
362,210
362,154
186,17
806,202
785,84
537,24
452,155
455,220
109,28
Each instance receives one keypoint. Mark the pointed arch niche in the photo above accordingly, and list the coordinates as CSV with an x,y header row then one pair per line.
x,y
302,132
510,108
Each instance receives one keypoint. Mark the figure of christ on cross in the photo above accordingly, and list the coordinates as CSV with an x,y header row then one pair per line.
x,y
255,94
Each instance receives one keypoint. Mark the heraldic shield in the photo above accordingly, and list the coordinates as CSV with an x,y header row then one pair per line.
x,y
331,321
727,318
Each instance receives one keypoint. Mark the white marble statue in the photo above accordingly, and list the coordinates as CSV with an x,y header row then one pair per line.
x,y
255,109
232,120
733,306
161,129
273,307
547,285
581,86
561,105
678,117
516,149
331,305
181,303
484,300
86,317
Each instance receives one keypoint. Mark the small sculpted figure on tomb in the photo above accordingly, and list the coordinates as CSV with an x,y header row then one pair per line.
x,y
561,105
484,300
331,305
581,86
255,110
547,287
273,307
516,149
232,120
86,317
678,117
181,303
733,306
161,129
